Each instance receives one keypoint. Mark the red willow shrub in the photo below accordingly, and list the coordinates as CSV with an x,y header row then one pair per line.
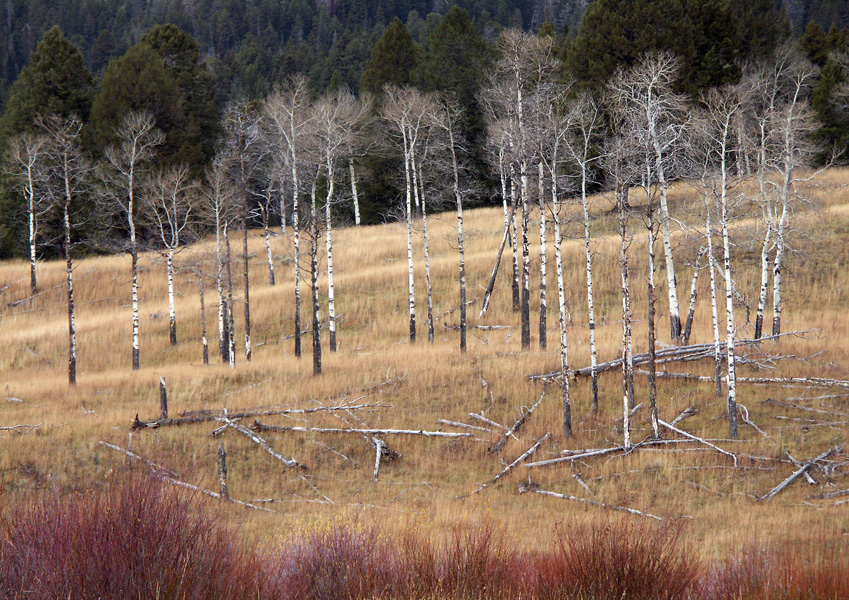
x,y
138,539
622,559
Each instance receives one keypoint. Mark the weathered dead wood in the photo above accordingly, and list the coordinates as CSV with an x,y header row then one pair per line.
x,y
513,464
206,416
171,477
777,489
378,451
698,439
829,495
524,487
744,414
483,419
804,408
675,354
257,426
163,399
573,457
685,414
516,426
805,474
222,472
20,428
289,462
463,425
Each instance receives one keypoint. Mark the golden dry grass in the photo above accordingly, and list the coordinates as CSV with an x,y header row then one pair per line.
x,y
438,382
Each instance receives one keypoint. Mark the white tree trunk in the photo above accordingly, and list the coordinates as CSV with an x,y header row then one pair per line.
x,y
765,250
72,329
33,282
354,192
776,270
223,344
626,332
331,295
417,181
671,283
561,298
296,232
543,305
590,307
526,261
713,298
514,192
268,254
172,313
731,375
410,279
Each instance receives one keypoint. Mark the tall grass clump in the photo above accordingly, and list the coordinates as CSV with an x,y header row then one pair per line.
x,y
137,539
622,559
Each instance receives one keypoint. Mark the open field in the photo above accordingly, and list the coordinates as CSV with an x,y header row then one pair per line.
x,y
427,382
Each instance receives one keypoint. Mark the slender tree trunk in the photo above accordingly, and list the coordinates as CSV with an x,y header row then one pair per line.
x,y
354,192
671,282
561,301
691,312
172,313
514,192
543,304
418,181
72,330
460,240
590,307
270,258
203,315
223,342
331,290
765,250
410,280
713,299
776,271
296,230
33,282
626,330
231,325
653,419
503,175
491,285
731,376
526,261
246,256
316,331
134,267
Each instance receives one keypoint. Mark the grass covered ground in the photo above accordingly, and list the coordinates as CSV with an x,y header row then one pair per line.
x,y
693,487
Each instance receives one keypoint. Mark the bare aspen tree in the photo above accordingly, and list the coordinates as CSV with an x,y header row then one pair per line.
x,y
525,60
124,174
627,365
288,116
168,207
66,177
314,229
245,151
24,167
265,196
407,111
419,182
448,119
722,107
586,119
201,294
228,305
358,144
647,92
218,209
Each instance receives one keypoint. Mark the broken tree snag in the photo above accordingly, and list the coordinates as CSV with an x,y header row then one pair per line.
x,y
463,425
777,489
524,487
289,462
516,426
260,427
698,439
163,400
222,472
685,335
513,464
378,451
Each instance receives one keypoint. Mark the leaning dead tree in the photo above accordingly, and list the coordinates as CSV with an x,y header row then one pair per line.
x,y
23,165
125,175
67,177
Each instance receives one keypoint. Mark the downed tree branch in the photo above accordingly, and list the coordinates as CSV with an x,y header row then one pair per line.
x,y
744,413
805,408
257,426
289,462
463,425
171,478
698,439
524,487
516,426
805,474
512,465
20,429
586,454
777,489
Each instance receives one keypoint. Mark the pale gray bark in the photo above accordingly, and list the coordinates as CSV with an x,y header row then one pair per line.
x,y
543,305
354,192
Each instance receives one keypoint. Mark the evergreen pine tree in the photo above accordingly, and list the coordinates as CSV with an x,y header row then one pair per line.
x,y
393,60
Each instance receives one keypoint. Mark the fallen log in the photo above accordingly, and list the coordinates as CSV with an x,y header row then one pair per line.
x,y
516,426
171,478
257,426
289,462
524,487
698,439
463,425
552,461
777,489
513,464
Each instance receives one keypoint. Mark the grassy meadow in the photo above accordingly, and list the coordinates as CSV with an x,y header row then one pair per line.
x,y
694,487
